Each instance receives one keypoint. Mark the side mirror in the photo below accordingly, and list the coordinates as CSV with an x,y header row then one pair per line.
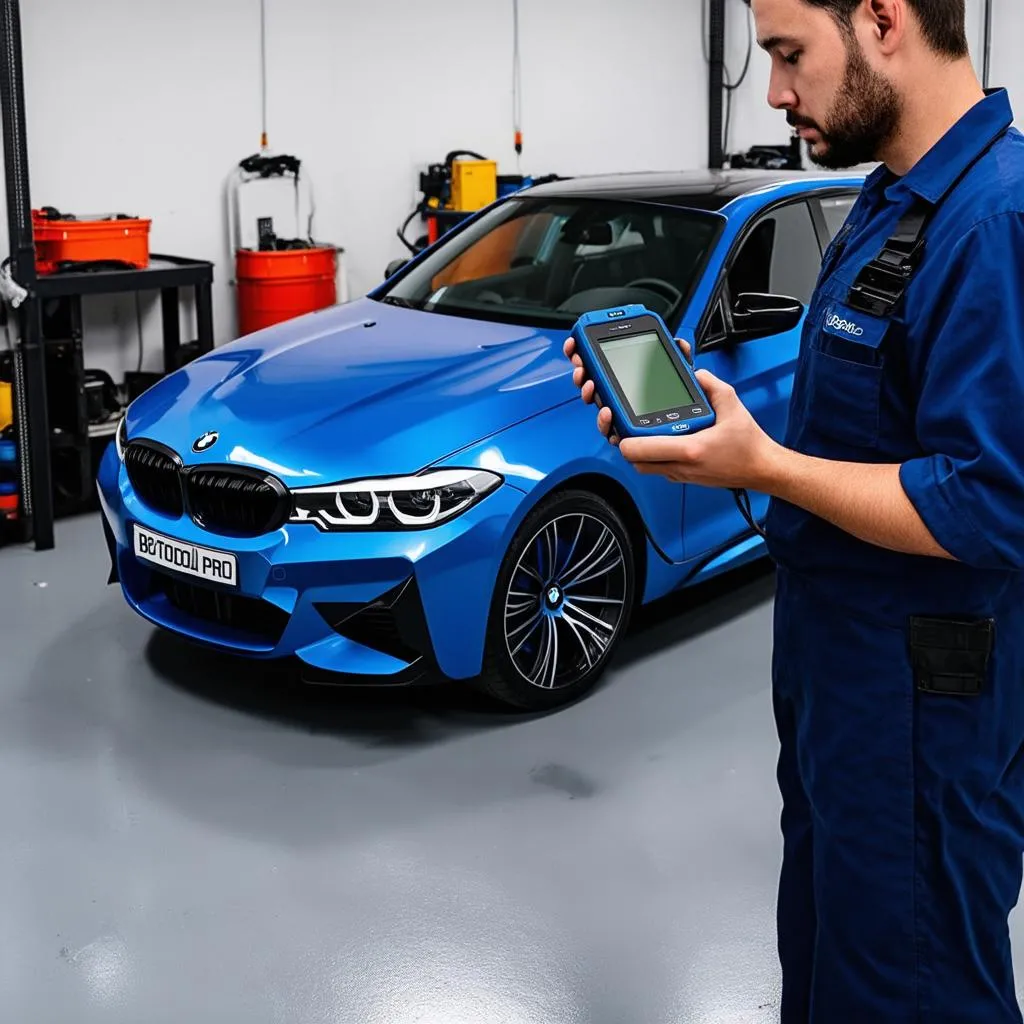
x,y
394,266
755,315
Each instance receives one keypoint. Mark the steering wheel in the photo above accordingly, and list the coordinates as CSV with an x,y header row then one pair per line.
x,y
656,284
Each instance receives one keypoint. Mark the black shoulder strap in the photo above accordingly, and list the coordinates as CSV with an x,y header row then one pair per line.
x,y
882,283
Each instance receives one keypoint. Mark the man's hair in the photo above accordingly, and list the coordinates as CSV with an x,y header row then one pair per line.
x,y
942,21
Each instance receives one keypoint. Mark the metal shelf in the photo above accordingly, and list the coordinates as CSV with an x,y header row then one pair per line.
x,y
163,272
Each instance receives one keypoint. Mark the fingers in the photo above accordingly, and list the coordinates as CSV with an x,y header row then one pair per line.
x,y
720,394
711,383
661,449
685,346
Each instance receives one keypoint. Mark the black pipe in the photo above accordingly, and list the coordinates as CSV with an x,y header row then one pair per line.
x,y
35,488
987,54
716,83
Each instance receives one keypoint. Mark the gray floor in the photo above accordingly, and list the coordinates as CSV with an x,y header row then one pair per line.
x,y
187,839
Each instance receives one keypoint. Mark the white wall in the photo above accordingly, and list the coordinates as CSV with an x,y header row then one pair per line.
x,y
1007,34
145,106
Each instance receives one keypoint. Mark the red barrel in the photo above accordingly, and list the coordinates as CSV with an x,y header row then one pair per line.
x,y
277,285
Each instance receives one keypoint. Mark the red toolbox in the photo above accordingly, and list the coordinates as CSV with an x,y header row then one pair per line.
x,y
62,238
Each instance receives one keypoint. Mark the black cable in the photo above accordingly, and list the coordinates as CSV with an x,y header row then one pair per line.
x,y
517,89
743,503
138,325
750,52
421,208
727,120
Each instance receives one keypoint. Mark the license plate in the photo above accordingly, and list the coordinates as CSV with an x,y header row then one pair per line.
x,y
203,563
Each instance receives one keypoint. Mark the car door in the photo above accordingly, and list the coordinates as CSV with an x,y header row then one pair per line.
x,y
779,253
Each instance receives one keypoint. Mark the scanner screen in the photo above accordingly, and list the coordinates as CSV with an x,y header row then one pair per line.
x,y
645,373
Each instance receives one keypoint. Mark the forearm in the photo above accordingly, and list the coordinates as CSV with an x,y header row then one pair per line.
x,y
866,501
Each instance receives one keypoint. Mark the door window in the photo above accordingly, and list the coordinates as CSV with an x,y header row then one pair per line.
x,y
781,256
835,210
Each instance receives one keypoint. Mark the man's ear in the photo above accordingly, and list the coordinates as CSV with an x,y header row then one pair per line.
x,y
888,22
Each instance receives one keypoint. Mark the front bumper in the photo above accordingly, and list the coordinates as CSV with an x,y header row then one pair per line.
x,y
373,607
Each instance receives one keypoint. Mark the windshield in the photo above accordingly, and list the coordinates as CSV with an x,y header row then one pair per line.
x,y
546,261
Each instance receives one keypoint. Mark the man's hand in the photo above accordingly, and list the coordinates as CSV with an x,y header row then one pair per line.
x,y
591,397
865,500
734,452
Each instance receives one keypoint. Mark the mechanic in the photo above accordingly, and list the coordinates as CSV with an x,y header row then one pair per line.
x,y
896,523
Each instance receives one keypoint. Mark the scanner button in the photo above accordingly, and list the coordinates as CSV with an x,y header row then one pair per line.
x,y
672,416
697,410
645,422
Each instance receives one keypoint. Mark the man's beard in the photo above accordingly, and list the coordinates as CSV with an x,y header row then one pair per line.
x,y
863,118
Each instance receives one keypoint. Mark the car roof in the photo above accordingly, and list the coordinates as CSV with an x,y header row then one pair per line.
x,y
706,189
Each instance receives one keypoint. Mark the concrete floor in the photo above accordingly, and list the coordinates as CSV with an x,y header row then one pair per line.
x,y
188,839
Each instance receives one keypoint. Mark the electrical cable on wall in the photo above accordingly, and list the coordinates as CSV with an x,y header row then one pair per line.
x,y
731,87
517,101
263,73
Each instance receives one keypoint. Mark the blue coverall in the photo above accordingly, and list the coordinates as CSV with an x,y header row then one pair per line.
x,y
903,808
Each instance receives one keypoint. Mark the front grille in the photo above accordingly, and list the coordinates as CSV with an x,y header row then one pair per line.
x,y
154,476
231,501
250,615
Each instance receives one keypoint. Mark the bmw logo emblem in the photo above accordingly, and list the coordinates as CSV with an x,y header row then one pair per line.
x,y
204,441
554,596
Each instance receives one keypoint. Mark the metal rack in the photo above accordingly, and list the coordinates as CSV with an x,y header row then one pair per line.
x,y
166,274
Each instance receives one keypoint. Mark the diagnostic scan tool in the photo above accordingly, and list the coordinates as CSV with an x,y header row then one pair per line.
x,y
640,374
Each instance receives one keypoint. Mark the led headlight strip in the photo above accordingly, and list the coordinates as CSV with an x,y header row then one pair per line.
x,y
400,502
121,437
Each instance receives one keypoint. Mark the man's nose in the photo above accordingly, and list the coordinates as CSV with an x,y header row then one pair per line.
x,y
780,95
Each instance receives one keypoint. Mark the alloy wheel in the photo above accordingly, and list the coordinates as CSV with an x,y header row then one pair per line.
x,y
565,600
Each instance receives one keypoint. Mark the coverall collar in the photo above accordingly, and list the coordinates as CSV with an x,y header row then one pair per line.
x,y
940,168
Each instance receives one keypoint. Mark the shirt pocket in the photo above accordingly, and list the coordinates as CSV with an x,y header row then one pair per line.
x,y
846,365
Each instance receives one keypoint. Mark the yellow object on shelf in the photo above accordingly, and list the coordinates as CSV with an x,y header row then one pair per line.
x,y
474,184
6,406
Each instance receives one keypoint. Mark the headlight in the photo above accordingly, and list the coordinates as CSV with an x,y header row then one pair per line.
x,y
393,503
121,438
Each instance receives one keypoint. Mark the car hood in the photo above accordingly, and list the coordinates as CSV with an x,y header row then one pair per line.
x,y
355,390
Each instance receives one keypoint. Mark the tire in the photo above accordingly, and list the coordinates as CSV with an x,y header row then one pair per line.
x,y
547,647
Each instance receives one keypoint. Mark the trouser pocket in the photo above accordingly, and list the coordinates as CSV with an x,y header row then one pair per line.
x,y
951,656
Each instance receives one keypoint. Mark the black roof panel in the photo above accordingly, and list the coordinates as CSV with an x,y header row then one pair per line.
x,y
706,189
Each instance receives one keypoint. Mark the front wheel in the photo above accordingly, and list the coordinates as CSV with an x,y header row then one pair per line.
x,y
562,602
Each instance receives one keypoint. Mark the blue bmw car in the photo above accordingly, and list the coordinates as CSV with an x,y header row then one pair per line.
x,y
407,486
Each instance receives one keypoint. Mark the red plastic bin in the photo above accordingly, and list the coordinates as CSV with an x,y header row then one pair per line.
x,y
277,285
